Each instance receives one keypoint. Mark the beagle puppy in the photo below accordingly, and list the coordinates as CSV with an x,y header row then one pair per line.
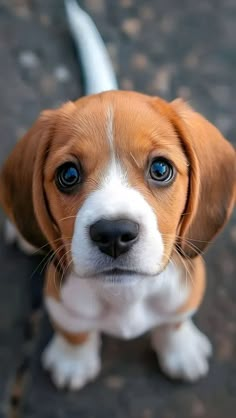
x,y
126,191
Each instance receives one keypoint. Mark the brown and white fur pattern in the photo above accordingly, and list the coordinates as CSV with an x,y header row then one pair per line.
x,y
159,283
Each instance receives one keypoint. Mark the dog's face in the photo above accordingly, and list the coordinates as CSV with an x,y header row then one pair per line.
x,y
117,186
117,182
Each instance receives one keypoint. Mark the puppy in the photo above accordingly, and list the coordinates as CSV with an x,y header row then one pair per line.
x,y
127,191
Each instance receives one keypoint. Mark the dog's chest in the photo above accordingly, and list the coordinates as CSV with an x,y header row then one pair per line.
x,y
124,310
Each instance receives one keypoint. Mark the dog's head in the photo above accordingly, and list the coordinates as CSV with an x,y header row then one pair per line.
x,y
117,182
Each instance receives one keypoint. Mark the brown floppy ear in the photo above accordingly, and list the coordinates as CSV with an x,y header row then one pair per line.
x,y
21,184
212,183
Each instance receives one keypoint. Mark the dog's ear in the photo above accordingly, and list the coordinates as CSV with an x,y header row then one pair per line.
x,y
22,193
212,174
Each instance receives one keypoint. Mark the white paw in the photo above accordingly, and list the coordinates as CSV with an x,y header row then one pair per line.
x,y
182,352
12,236
72,366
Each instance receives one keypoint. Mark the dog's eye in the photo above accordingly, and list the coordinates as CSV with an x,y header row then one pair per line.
x,y
161,170
68,176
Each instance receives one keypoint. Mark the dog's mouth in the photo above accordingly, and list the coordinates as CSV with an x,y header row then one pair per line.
x,y
118,275
118,272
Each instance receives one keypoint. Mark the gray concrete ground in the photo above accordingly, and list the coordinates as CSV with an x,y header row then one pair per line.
x,y
169,48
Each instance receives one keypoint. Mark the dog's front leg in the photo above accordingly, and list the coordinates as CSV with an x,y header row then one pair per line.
x,y
181,348
72,360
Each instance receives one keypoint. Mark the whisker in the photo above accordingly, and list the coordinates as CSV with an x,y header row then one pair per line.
x,y
193,247
184,262
68,217
64,270
136,162
187,242
48,244
50,256
46,264
186,239
54,277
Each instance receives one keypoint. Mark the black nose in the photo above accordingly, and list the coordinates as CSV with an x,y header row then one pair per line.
x,y
114,237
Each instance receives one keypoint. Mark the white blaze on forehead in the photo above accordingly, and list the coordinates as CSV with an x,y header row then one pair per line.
x,y
115,176
115,173
109,128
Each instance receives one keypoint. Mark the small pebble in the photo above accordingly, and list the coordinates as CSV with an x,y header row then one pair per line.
x,y
114,382
198,409
22,10
28,59
45,20
126,3
225,349
146,13
139,61
147,413
95,6
162,79
62,74
127,84
131,26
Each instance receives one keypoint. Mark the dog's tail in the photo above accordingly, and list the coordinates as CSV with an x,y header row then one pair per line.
x,y
96,65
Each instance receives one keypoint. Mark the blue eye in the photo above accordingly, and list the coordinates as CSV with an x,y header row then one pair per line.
x,y
161,170
68,176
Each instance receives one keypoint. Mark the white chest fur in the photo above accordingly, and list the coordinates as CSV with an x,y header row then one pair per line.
x,y
126,309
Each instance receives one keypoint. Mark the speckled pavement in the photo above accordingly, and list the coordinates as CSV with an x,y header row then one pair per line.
x,y
165,47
